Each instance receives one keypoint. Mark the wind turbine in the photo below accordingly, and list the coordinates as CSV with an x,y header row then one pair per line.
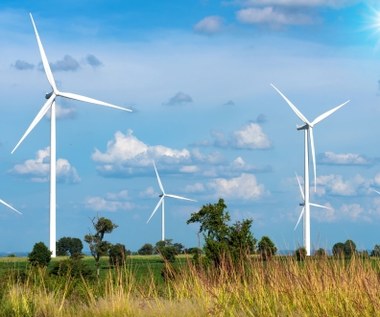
x,y
9,206
308,137
306,237
50,104
161,203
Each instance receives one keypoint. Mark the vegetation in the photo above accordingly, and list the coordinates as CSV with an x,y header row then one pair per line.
x,y
146,249
266,248
40,255
117,254
69,246
347,249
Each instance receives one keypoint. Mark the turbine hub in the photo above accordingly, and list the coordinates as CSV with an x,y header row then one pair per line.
x,y
47,96
303,127
160,195
302,204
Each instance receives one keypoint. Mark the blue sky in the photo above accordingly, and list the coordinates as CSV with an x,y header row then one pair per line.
x,y
197,74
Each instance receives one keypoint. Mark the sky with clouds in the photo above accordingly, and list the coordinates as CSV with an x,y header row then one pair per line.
x,y
197,75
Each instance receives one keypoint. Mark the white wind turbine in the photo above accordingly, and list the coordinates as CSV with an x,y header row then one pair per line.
x,y
162,203
50,104
305,238
308,137
9,206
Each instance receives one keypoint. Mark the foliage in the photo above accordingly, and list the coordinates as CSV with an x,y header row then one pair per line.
x,y
69,246
97,246
347,249
266,248
146,249
40,255
167,250
320,253
300,254
117,254
222,240
376,251
338,249
73,267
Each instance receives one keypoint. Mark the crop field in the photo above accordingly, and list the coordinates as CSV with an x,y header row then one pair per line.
x,y
281,286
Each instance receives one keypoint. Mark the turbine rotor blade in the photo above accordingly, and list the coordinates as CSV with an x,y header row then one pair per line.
x,y
158,179
311,135
320,206
155,209
299,218
294,108
300,187
45,62
10,207
376,191
73,96
37,119
328,113
179,197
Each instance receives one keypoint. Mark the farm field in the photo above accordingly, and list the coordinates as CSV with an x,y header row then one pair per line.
x,y
279,287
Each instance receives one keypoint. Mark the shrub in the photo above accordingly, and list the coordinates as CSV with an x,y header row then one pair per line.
x,y
300,254
73,267
117,254
40,255
266,248
146,249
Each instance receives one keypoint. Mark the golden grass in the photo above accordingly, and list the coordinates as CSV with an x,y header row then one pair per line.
x,y
280,287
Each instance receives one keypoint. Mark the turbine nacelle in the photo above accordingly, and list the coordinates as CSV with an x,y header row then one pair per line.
x,y
303,127
48,95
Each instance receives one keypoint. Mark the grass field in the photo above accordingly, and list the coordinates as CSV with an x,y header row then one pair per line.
x,y
279,287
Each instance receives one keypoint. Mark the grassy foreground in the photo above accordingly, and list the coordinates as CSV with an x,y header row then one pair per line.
x,y
280,287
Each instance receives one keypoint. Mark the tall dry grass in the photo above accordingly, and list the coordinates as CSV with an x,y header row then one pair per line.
x,y
279,287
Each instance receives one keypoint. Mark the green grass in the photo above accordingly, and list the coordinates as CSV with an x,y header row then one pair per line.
x,y
280,287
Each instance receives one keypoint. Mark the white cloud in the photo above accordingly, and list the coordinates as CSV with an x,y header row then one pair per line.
x,y
336,185
111,202
301,3
353,212
343,159
125,151
68,63
270,15
38,169
251,137
149,192
189,169
195,188
243,187
209,25
62,112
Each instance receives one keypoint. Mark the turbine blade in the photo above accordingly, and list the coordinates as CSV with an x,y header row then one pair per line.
x,y
37,119
311,134
320,206
70,95
299,185
376,191
299,218
45,62
294,108
158,179
328,113
155,209
10,207
179,197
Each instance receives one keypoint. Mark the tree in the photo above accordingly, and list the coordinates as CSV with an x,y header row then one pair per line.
x,y
338,249
146,249
266,248
221,239
117,254
69,246
349,248
167,250
40,255
376,251
97,246
320,253
300,254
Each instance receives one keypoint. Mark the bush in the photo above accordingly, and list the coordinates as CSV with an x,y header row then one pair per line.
x,y
300,254
320,253
168,253
69,246
40,255
72,267
376,251
146,249
117,254
266,248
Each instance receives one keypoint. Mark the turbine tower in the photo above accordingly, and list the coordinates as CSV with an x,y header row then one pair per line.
x,y
50,104
307,127
162,203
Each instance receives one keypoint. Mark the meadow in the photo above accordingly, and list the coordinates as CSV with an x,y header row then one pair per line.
x,y
281,286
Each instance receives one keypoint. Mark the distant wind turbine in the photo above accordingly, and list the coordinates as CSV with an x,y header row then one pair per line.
x,y
161,203
308,137
10,207
306,235
50,104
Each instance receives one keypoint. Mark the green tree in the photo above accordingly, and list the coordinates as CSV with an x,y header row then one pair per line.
x,y
69,246
97,246
146,249
338,249
376,251
266,248
40,255
300,254
222,240
320,253
167,250
117,254
349,248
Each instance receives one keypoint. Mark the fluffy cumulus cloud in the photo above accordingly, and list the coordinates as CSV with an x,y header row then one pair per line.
x,y
243,187
354,212
251,137
68,63
209,25
272,16
63,112
110,202
343,159
337,185
22,65
37,169
126,152
179,99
